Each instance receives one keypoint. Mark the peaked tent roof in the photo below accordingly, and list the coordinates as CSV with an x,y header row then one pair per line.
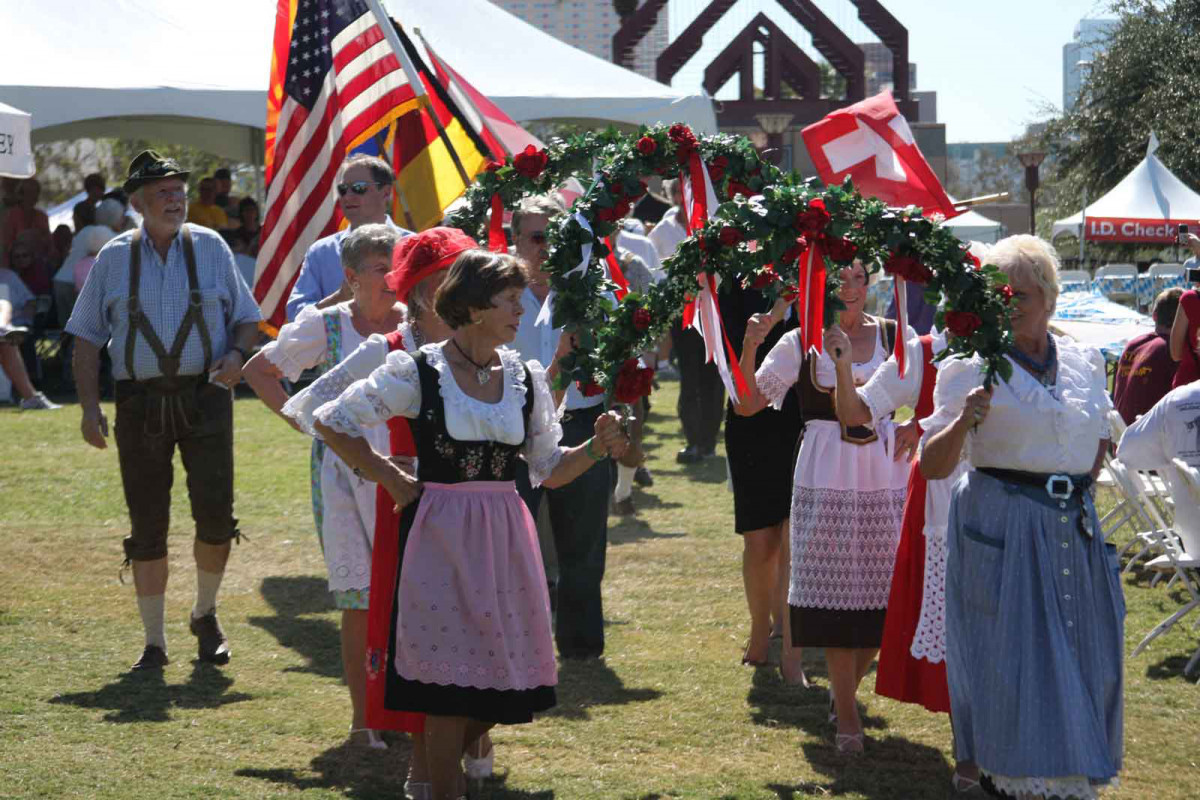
x,y
1149,194
169,70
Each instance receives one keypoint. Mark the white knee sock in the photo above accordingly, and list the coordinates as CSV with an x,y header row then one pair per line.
x,y
624,482
207,584
151,607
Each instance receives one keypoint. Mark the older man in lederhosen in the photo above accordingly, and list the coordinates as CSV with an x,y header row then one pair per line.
x,y
179,321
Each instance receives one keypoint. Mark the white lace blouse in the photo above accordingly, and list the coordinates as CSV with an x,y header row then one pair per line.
x,y
886,391
394,389
302,344
1030,427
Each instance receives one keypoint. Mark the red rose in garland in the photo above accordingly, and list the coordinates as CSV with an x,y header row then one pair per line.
x,y
730,236
633,382
970,260
841,250
615,213
794,252
642,319
590,389
765,278
907,267
530,162
962,323
812,221
682,136
1006,292
492,166
647,146
736,188
716,170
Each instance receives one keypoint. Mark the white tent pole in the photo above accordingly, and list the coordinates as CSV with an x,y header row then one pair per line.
x,y
1082,228
256,157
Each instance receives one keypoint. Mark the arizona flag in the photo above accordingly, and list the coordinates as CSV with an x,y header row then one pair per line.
x,y
871,143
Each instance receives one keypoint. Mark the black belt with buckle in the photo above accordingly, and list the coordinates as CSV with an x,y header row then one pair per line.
x,y
1056,486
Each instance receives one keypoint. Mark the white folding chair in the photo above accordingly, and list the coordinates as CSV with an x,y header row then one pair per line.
x,y
1181,558
1119,271
1149,527
1075,276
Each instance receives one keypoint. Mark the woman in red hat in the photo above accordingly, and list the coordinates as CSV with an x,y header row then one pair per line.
x,y
419,263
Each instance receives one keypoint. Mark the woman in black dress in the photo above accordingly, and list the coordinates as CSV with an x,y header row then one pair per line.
x,y
761,453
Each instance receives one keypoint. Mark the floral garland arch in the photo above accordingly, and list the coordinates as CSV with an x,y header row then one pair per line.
x,y
783,235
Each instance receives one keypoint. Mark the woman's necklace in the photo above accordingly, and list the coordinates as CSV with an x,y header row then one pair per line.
x,y
483,372
1040,369
418,337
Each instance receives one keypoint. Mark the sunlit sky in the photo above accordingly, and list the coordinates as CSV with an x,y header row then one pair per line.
x,y
996,65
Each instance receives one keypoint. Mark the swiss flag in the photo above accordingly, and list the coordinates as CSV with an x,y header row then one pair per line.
x,y
871,142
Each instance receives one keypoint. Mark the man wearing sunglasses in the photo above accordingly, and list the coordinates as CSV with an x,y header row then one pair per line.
x,y
364,192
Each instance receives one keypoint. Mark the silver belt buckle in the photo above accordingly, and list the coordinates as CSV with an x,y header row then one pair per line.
x,y
1060,487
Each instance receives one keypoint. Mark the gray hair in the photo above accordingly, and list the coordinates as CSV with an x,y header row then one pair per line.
x,y
368,240
1032,257
538,205
420,297
110,212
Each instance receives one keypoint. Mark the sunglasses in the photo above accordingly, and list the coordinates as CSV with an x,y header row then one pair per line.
x,y
358,187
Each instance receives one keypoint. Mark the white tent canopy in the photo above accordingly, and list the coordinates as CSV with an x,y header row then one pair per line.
x,y
971,226
16,150
1146,206
162,69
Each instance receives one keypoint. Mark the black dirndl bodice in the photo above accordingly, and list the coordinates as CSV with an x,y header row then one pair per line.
x,y
443,459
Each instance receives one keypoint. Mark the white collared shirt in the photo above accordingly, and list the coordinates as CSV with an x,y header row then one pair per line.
x,y
539,343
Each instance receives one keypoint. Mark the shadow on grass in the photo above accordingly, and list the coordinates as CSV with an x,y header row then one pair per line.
x,y
317,639
628,530
352,771
147,697
1171,668
710,470
775,704
584,684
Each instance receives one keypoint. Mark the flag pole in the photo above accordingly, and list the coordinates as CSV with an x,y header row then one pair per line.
x,y
483,120
414,78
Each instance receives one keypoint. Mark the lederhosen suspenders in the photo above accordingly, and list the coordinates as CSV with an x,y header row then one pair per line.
x,y
168,362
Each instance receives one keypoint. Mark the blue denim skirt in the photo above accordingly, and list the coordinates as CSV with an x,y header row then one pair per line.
x,y
1034,634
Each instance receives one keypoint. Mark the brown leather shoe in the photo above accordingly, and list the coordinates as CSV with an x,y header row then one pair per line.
x,y
153,657
214,647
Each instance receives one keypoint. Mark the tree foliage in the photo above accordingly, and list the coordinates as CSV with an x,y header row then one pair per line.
x,y
1145,80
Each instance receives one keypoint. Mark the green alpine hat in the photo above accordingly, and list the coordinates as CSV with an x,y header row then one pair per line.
x,y
148,166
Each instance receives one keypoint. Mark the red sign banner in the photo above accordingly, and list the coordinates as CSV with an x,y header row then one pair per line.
x,y
1123,229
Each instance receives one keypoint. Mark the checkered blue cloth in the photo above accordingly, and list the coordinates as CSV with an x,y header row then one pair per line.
x,y
101,313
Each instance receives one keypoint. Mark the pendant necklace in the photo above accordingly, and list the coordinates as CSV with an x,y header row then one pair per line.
x,y
1041,369
483,373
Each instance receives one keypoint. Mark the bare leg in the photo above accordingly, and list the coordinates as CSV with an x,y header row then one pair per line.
x,y
150,577
14,367
354,656
418,765
476,739
864,657
790,662
210,557
444,738
842,665
760,574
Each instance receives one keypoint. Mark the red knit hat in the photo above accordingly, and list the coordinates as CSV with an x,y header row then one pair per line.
x,y
418,256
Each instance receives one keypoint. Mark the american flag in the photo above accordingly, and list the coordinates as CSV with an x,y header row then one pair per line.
x,y
335,82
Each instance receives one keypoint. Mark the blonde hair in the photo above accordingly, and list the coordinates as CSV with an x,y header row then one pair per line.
x,y
1032,257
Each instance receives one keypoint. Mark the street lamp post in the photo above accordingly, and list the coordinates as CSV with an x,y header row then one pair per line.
x,y
774,125
1031,161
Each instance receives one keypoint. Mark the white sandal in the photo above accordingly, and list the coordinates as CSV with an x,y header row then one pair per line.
x,y
418,790
478,769
372,742
849,744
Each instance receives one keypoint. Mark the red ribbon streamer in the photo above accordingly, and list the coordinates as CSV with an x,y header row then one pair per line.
x,y
496,241
901,298
614,270
810,299
735,366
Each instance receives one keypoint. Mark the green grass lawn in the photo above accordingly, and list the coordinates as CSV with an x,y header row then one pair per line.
x,y
668,713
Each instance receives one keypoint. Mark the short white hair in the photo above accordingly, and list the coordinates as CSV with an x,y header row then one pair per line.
x,y
368,240
1032,257
96,236
110,212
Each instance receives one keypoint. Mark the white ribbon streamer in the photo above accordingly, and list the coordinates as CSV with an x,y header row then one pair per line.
x,y
544,316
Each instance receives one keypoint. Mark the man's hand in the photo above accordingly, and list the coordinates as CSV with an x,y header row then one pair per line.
x,y
94,428
228,370
610,436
